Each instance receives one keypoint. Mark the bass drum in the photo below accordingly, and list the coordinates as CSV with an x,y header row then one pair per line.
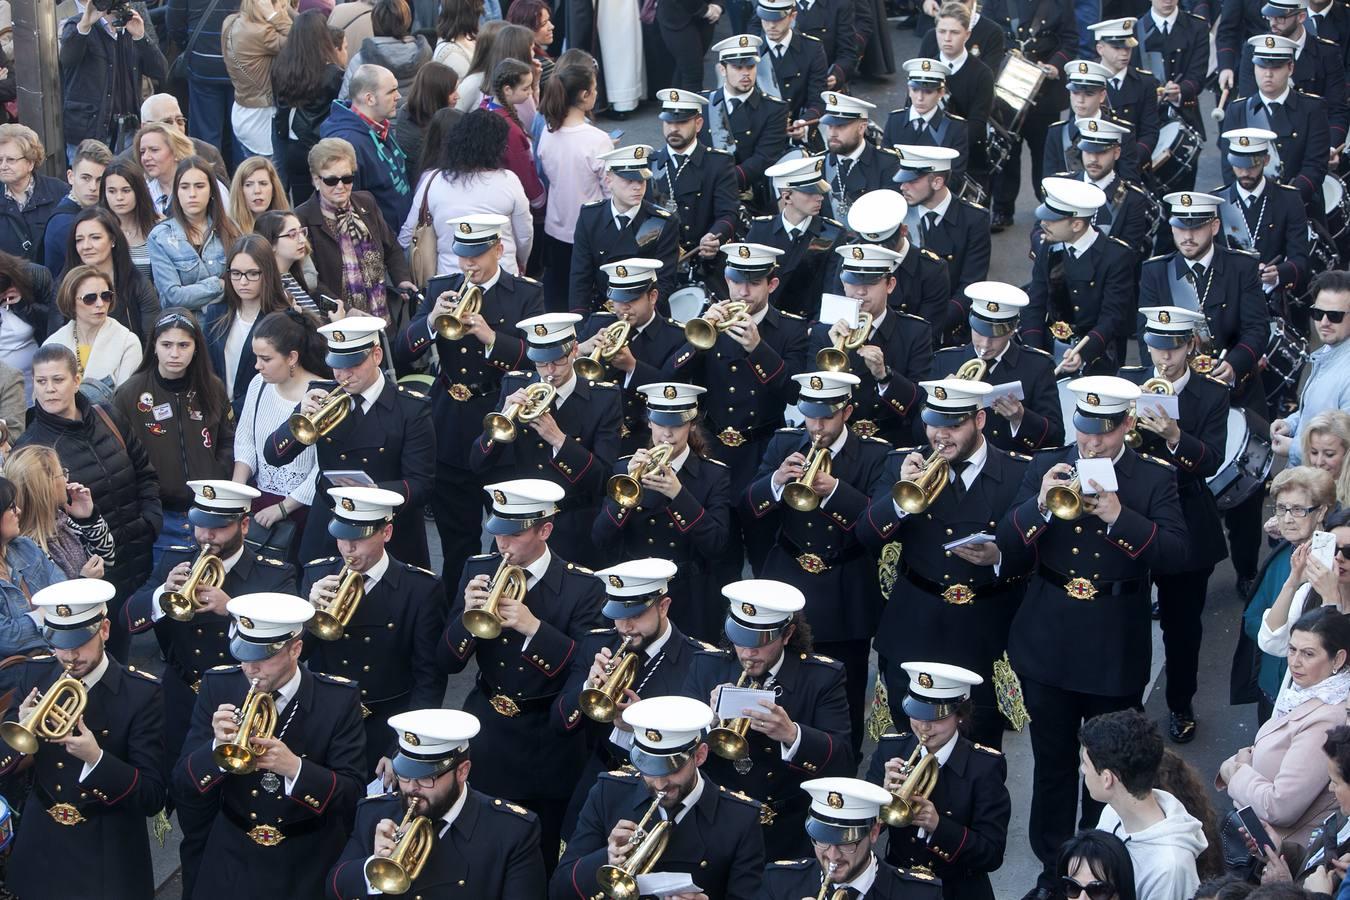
x,y
687,303
1286,355
1247,459
1176,154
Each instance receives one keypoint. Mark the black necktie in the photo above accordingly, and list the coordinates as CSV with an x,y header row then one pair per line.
x,y
621,222
732,103
1199,271
844,166
779,51
926,225
1249,211
1166,29
1073,252
920,124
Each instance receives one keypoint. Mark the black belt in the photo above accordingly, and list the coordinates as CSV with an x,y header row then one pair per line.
x,y
816,563
65,812
1078,586
929,586
509,706
258,831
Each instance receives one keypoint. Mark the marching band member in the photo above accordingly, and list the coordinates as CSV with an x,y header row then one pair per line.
x,y
1240,20
692,180
572,443
1128,212
1081,282
806,238
545,611
795,70
282,824
1174,46
627,224
652,338
832,471
852,166
970,84
471,371
711,833
843,826
1080,641
475,840
985,41
803,733
386,434
1086,81
960,829
683,508
1034,422
925,120
1131,93
388,643
838,26
1261,215
896,353
744,120
638,599
954,600
83,828
1193,443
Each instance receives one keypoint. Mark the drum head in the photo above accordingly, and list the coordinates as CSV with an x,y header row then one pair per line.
x,y
1333,192
1068,401
687,303
1169,137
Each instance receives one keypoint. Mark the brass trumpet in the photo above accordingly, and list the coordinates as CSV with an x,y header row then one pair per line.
x,y
509,582
798,494
1157,386
453,325
331,412
837,894
835,358
395,873
728,739
329,624
257,719
626,490
612,339
703,334
1065,501
501,426
972,370
602,704
620,882
51,719
918,784
917,495
207,571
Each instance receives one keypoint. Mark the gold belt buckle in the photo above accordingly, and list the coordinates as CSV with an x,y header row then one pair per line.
x,y
265,835
865,428
365,711
1062,331
65,814
731,437
959,595
505,706
767,814
812,563
460,392
624,430
1080,589
197,686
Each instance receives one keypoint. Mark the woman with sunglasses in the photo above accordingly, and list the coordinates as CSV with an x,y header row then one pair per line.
x,y
1303,496
58,514
1282,776
178,406
104,346
24,570
1094,865
252,290
290,243
97,240
187,250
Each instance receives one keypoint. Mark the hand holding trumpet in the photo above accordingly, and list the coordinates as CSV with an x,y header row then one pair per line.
x,y
661,479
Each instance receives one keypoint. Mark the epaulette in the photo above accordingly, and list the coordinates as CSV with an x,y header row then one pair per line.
x,y
506,806
917,873
788,430
530,280
1325,40
660,211
323,560
973,205
888,151
416,395
873,439
595,202
144,674
624,773
1158,257
897,111
475,556
334,679
715,651
222,669
905,451
579,569
1131,368
1245,252
1219,381
183,548
601,631
1284,187
818,658
896,734
1024,457
705,646
924,251
809,37
792,863
914,317
42,657
1112,237
607,385
954,117
519,373
418,569
1305,93
716,462
1153,459
1143,71
1046,353
1060,122
267,560
718,151
990,750
1197,18
739,795
799,318
763,218
1131,186
769,96
835,222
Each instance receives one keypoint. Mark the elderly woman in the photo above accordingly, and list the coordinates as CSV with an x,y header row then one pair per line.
x,y
24,570
1309,584
28,198
160,148
59,515
1303,496
1283,776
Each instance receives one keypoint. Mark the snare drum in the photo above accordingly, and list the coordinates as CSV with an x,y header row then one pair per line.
x,y
1285,356
687,303
1323,256
1247,460
1175,156
1337,202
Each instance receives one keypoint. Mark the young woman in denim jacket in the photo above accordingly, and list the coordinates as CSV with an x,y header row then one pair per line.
x,y
187,249
24,570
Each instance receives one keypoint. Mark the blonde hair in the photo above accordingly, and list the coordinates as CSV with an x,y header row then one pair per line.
x,y
179,144
33,471
239,210
328,151
26,139
1336,423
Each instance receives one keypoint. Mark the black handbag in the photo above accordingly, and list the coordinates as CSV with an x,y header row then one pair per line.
x,y
274,542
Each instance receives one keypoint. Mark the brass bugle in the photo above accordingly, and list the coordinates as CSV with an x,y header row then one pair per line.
x,y
835,358
332,410
257,719
55,715
207,571
1156,386
728,739
453,325
501,426
611,341
626,490
508,582
620,882
972,370
798,494
330,624
395,873
918,784
825,881
1065,500
703,334
917,495
602,704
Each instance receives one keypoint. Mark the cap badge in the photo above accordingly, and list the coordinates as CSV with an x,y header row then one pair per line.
x,y
1270,43
940,393
615,581
820,165
927,66
339,336
1244,141
540,330
1082,68
1186,200
832,99
744,41
857,253
749,609
816,383
499,497
674,96
639,152
743,252
653,735
411,739
1164,317
465,228
63,611
1092,400
670,392
835,799
621,271
992,307
1092,125
245,622
925,680
348,505
209,492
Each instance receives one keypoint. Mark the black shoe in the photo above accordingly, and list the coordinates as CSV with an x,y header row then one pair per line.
x,y
1181,726
1246,585
1001,222
1154,611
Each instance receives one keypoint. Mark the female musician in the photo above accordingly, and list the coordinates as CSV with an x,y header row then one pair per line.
x,y
960,829
59,515
682,512
252,290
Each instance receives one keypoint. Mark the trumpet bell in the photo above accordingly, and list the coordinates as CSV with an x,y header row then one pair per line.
x,y
454,324
624,490
482,624
916,496
620,883
51,719
729,742
918,784
396,873
1065,501
501,428
177,606
589,369
257,719
18,736
831,359
798,494
701,333
308,429
602,704
325,626
387,877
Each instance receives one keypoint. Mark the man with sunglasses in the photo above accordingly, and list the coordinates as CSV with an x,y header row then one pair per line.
x,y
844,825
1328,383
475,838
712,832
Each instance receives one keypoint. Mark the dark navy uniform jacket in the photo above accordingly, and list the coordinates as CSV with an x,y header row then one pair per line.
x,y
1304,140
1043,421
806,259
1093,293
832,23
1276,227
1136,104
1319,70
1062,153
651,232
759,128
704,188
652,347
1185,57
944,129
961,239
872,170
800,74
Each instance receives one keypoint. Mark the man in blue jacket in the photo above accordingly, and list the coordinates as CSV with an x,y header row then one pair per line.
x,y
365,122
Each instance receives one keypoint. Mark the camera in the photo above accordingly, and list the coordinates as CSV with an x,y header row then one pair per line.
x,y
118,11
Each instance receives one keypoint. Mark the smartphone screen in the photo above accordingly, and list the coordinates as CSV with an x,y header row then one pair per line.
x,y
1251,822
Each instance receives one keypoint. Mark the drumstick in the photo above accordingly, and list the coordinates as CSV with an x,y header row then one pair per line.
x,y
1077,348
1217,112
685,256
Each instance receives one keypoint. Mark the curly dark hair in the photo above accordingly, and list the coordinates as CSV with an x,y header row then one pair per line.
x,y
475,144
1180,779
1128,744
458,18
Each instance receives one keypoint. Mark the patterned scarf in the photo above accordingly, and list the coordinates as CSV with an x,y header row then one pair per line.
x,y
362,260
1331,690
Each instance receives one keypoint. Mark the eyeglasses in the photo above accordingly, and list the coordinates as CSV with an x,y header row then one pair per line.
x,y
11,161
846,848
1337,316
296,233
423,783
1298,512
335,180
1096,890
92,298
250,276
179,120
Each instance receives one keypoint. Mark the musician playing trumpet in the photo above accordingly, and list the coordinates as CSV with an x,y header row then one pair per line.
x,y
475,839
388,640
959,830
94,787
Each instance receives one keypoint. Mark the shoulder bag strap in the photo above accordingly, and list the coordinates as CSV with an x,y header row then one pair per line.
x,y
107,420
201,23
